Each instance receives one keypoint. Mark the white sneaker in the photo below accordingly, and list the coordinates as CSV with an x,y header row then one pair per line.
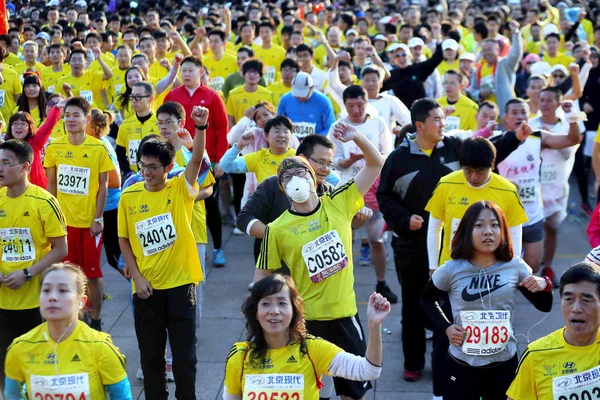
x,y
250,285
169,374
237,232
140,374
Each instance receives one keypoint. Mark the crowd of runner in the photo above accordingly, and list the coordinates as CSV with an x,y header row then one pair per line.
x,y
449,128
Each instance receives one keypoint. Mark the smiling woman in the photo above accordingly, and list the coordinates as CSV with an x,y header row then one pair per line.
x,y
65,339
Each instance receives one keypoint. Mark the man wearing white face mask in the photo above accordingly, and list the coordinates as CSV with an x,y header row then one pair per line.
x,y
314,239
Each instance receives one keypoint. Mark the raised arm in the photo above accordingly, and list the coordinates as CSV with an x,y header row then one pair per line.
x,y
168,80
373,158
516,48
200,117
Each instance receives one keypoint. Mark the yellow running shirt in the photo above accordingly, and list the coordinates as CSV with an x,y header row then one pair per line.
x,y
453,195
131,133
86,362
88,86
10,89
284,373
464,116
278,89
50,77
78,170
239,100
264,163
272,59
317,248
219,70
26,223
158,227
551,368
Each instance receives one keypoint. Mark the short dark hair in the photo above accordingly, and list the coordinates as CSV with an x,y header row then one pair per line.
x,y
420,109
509,103
217,32
304,47
146,39
159,34
267,24
307,146
580,272
287,30
159,148
194,60
22,150
290,63
92,35
277,121
246,49
462,243
477,153
552,89
253,65
172,108
81,103
354,92
370,69
147,86
78,51
552,35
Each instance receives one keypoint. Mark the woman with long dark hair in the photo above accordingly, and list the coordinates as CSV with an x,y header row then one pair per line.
x,y
481,281
33,99
278,354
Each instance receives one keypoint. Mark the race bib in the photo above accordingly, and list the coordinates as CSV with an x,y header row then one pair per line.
x,y
73,180
156,233
134,145
87,95
579,386
2,98
51,89
274,387
452,123
270,74
17,245
527,192
60,387
119,88
217,83
324,256
487,332
550,174
302,129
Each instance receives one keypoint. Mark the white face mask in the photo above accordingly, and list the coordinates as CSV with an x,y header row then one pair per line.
x,y
298,189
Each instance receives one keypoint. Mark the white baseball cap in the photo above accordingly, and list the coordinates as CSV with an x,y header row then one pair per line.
x,y
302,84
380,37
450,44
352,32
385,20
395,46
540,68
467,56
416,41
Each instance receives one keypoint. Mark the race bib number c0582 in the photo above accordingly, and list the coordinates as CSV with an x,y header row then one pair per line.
x,y
274,387
324,256
17,245
487,332
578,386
156,233
60,387
73,180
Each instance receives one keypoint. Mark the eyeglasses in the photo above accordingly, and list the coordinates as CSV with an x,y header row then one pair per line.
x,y
138,97
6,165
327,165
51,104
21,124
168,122
558,76
400,55
286,177
150,167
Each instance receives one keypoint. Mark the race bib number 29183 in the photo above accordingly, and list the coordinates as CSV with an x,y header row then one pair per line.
x,y
487,332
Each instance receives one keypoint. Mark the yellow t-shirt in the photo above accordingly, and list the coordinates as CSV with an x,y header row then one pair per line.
x,y
317,248
321,54
453,195
239,100
156,73
108,58
464,116
131,133
264,163
533,47
487,79
278,89
87,362
78,170
35,114
88,86
50,77
297,372
272,59
560,58
158,227
22,67
445,66
12,59
547,360
199,211
10,89
219,70
597,138
116,84
58,131
26,223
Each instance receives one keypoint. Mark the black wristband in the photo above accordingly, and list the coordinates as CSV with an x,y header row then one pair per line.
x,y
202,127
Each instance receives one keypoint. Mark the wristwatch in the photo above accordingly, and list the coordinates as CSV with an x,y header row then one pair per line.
x,y
202,127
99,220
28,275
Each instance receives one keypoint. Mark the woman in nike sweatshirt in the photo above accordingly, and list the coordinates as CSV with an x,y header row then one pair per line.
x,y
481,281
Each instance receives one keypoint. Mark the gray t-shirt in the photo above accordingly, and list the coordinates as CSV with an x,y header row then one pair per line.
x,y
475,289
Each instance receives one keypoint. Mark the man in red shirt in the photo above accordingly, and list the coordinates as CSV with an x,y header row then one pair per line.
x,y
194,93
